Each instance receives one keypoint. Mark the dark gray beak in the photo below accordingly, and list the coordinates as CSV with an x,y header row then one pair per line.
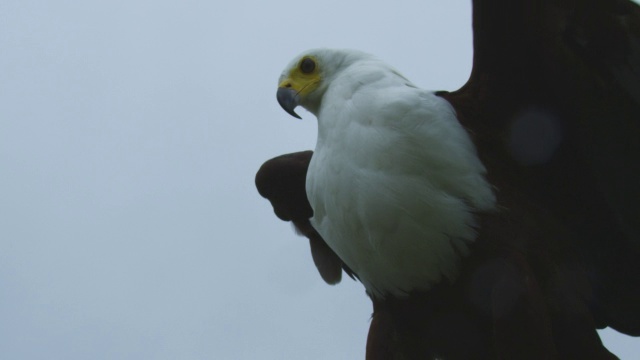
x,y
288,99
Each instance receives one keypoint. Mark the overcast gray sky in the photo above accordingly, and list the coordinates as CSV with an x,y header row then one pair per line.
x,y
130,133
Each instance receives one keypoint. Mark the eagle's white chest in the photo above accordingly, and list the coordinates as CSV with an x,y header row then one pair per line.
x,y
392,183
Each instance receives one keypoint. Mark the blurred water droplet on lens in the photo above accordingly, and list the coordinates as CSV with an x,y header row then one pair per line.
x,y
534,136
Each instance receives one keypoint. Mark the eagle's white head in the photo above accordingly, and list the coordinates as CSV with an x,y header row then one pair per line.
x,y
306,78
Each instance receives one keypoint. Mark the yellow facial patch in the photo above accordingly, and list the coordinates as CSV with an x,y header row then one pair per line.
x,y
304,77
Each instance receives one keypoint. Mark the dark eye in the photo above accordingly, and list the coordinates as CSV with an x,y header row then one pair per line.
x,y
307,65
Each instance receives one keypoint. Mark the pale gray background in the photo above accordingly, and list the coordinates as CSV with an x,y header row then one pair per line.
x,y
130,133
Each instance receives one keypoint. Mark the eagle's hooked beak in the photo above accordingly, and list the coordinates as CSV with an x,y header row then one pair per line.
x,y
288,99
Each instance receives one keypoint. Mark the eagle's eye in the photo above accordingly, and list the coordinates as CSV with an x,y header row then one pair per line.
x,y
307,65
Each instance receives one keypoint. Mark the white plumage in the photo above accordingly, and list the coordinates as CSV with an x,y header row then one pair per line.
x,y
394,178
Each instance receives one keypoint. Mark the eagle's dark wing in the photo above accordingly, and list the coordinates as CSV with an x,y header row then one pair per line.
x,y
281,180
554,104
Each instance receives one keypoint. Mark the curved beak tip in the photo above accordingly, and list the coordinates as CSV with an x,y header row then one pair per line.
x,y
288,100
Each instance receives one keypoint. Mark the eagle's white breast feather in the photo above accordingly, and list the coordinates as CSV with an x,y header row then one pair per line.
x,y
394,179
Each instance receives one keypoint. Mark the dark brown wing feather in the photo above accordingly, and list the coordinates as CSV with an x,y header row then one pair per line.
x,y
554,104
281,180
